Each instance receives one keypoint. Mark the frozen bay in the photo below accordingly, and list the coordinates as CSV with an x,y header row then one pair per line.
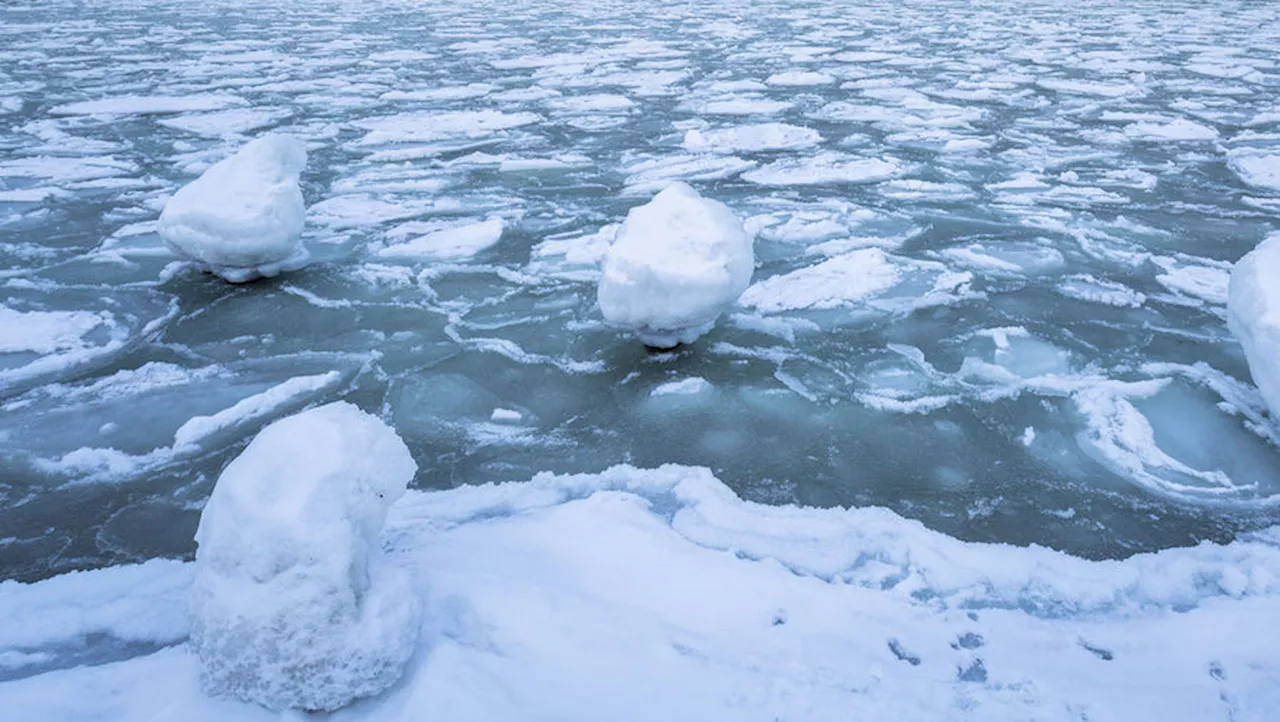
x,y
992,242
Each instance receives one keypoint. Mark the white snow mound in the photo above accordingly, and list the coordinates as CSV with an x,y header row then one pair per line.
x,y
243,217
1253,314
676,263
294,604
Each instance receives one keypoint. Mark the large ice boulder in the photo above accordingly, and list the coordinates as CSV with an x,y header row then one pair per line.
x,y
242,218
676,263
1253,314
294,604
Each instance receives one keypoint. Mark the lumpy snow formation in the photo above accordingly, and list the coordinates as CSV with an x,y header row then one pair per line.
x,y
294,605
1253,313
675,265
242,218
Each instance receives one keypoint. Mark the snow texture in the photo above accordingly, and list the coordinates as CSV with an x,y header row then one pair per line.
x,y
1258,168
455,243
46,332
1253,314
691,604
751,138
294,604
242,219
675,265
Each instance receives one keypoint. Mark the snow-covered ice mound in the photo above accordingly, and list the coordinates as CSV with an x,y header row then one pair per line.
x,y
1253,314
675,265
242,219
293,603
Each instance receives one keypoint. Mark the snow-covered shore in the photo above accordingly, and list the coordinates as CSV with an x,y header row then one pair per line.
x,y
657,594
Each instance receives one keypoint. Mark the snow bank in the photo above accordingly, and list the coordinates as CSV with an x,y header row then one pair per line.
x,y
243,217
675,265
1253,315
679,601
294,604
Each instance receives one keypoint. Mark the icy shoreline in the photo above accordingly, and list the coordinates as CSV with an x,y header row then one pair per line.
x,y
658,594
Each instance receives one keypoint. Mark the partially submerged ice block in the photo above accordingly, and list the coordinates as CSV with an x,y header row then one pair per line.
x,y
242,219
1253,315
677,262
294,604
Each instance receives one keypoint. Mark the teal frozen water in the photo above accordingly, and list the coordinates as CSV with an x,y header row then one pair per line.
x,y
990,290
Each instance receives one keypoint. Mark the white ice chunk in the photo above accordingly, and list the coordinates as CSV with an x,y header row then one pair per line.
x,y
866,277
356,210
799,78
199,428
1069,86
226,122
676,264
601,103
751,139
1007,258
243,217
149,105
294,604
576,257
684,387
1196,280
506,416
822,169
741,105
1180,129
65,170
429,126
1258,168
832,283
1096,290
653,174
449,243
445,93
1253,314
46,332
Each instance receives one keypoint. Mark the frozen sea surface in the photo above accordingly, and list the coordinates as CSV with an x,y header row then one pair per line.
x,y
993,243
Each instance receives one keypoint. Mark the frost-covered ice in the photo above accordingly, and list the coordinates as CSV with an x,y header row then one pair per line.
x,y
751,138
824,169
242,218
677,262
448,243
866,277
293,603
148,105
46,332
1259,168
1253,309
